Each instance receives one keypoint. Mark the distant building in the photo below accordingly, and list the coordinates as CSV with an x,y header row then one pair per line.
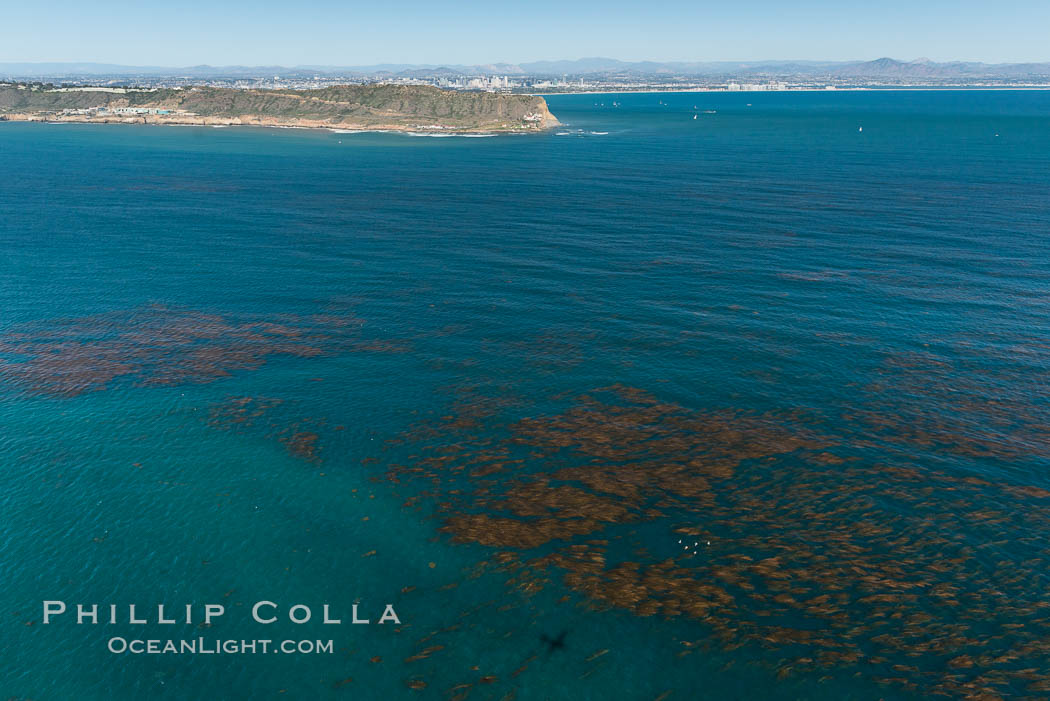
x,y
139,110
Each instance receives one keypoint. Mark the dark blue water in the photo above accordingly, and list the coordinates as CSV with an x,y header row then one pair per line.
x,y
747,405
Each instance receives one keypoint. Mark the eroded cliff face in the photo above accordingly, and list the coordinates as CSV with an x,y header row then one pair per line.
x,y
548,118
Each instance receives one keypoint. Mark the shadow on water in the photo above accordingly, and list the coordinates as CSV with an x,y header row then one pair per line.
x,y
556,643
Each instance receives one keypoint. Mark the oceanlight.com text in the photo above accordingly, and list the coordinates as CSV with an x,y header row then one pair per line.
x,y
202,646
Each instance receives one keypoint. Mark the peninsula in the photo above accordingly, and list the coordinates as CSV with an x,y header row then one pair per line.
x,y
351,107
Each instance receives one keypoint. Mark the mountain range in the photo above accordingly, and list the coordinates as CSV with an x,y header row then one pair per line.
x,y
883,68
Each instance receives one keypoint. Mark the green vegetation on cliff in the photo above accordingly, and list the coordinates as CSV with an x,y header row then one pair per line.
x,y
363,105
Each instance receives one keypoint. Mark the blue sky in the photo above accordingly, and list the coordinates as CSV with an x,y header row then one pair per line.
x,y
258,32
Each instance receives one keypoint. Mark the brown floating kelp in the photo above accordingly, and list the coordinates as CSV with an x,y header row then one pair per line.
x,y
765,530
158,345
828,549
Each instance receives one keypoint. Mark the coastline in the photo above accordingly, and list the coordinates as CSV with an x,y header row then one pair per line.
x,y
337,127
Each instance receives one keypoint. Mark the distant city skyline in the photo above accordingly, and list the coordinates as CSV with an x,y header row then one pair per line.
x,y
326,32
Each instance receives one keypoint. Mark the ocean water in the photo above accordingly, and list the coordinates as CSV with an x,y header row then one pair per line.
x,y
751,405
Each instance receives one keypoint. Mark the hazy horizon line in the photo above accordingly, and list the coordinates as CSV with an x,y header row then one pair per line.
x,y
439,64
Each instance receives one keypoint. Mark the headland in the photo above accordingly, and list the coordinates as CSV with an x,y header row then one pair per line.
x,y
356,107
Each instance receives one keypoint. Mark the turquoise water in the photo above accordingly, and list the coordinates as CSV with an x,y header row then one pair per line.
x,y
503,383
